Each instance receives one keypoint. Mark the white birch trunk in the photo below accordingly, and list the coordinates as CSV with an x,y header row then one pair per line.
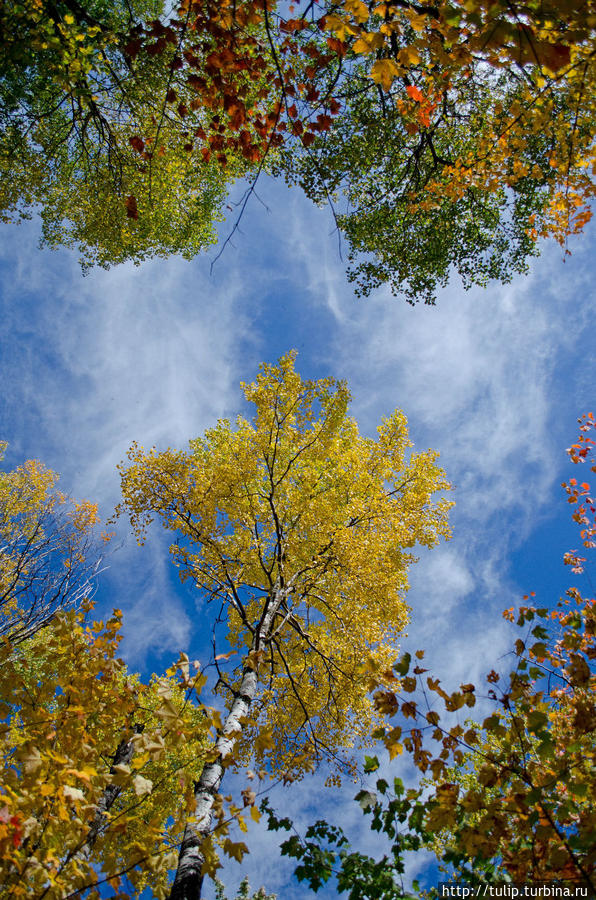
x,y
189,878
123,756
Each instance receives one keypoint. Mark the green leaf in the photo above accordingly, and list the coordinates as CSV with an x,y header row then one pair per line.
x,y
371,764
403,664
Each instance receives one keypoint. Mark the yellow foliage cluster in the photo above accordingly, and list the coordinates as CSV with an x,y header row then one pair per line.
x,y
296,510
45,544
75,811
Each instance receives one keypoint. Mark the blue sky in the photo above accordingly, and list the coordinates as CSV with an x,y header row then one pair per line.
x,y
494,379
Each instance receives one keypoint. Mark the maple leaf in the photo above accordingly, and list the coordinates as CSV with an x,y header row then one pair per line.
x,y
384,72
554,56
131,207
415,94
137,144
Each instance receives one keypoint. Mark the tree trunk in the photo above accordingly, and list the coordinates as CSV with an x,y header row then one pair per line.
x,y
188,882
189,878
123,756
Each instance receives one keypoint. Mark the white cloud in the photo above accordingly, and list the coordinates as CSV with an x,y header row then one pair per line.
x,y
151,354
155,354
480,379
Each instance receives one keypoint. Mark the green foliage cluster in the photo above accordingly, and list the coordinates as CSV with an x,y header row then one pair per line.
x,y
72,106
447,136
393,192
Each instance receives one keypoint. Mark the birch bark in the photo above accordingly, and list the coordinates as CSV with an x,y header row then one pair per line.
x,y
188,882
123,756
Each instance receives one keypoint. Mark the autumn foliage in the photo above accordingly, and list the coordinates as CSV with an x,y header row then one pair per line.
x,y
91,757
508,798
297,531
521,799
48,549
443,134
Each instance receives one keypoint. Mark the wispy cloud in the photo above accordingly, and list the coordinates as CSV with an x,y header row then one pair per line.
x,y
90,365
493,379
487,378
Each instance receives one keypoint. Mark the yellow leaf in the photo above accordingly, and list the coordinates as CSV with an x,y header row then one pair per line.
x,y
409,56
340,27
235,850
30,758
368,43
384,72
391,741
417,22
73,794
264,741
168,712
120,774
357,9
84,774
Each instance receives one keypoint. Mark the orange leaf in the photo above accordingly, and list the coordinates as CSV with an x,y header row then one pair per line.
x,y
413,92
137,143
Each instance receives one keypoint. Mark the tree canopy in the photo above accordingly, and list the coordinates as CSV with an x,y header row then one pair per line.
x,y
511,797
464,133
445,134
48,551
97,766
298,531
72,112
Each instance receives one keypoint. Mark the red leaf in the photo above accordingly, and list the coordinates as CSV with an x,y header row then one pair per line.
x,y
132,48
337,46
554,56
324,122
137,144
131,207
196,82
158,47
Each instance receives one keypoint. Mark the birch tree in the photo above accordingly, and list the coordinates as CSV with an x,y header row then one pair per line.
x,y
47,550
297,531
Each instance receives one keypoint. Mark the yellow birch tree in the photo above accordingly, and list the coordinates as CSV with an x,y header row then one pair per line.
x,y
298,531
47,553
